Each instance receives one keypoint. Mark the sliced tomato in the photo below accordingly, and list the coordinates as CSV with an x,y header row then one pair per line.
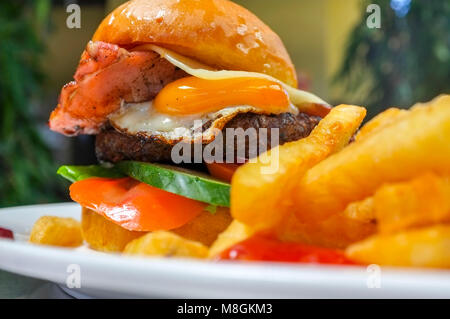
x,y
259,248
222,171
134,205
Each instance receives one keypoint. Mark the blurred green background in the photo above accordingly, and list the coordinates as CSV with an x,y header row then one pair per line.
x,y
337,57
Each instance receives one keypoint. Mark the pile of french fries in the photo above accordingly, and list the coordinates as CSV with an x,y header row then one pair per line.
x,y
384,198
190,240
381,193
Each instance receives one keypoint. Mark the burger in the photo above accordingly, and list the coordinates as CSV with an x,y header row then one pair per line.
x,y
158,84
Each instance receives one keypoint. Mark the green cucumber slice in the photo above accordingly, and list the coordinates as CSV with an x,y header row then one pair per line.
x,y
77,173
179,181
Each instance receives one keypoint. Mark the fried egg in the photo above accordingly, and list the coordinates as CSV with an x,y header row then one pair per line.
x,y
196,108
141,119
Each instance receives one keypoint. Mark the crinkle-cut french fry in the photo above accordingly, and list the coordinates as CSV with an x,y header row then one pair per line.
x,y
416,143
261,192
423,247
235,233
362,210
380,121
167,244
206,227
56,231
338,231
104,235
425,200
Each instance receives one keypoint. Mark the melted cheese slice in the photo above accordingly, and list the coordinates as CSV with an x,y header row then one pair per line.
x,y
303,100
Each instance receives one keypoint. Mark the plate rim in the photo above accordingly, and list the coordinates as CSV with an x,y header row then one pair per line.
x,y
205,277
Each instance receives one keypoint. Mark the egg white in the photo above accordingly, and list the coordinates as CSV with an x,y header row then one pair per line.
x,y
141,119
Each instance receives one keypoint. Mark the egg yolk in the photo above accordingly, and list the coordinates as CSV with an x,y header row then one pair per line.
x,y
191,95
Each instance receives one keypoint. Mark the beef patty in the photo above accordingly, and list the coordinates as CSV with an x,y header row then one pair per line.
x,y
113,146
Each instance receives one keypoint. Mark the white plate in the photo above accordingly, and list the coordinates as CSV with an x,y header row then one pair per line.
x,y
109,275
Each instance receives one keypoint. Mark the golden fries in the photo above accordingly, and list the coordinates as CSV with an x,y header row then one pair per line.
x,y
379,122
104,235
261,191
162,243
338,231
422,201
425,247
56,231
362,211
234,234
418,142
385,198
206,227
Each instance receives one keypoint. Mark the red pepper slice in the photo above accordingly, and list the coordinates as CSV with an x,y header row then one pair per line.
x,y
134,205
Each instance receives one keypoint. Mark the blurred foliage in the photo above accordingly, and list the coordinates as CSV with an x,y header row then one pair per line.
x,y
406,61
26,167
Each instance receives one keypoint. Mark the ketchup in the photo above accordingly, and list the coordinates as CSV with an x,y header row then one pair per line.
x,y
260,248
6,233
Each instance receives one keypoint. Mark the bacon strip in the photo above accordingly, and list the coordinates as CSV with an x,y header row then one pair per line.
x,y
106,76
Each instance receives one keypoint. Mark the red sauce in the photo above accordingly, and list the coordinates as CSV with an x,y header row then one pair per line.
x,y
6,233
259,248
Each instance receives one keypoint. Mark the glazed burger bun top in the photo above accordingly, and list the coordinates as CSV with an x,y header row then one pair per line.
x,y
218,33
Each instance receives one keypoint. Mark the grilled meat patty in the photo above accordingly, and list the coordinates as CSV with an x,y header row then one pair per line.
x,y
113,146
